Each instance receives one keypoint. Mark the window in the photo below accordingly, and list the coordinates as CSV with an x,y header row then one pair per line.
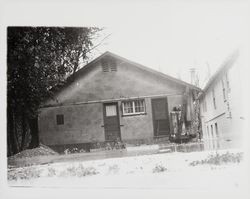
x,y
223,90
227,82
216,130
133,107
60,119
212,131
214,102
111,110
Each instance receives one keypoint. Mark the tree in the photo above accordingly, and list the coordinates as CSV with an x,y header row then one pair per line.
x,y
39,59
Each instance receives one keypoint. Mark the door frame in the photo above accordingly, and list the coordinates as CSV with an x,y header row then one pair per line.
x,y
118,119
167,115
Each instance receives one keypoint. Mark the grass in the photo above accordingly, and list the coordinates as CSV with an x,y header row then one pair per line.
x,y
219,159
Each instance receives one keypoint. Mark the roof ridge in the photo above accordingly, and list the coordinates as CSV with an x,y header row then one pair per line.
x,y
153,70
228,62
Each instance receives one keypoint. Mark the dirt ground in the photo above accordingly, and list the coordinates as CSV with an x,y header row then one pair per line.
x,y
202,170
46,156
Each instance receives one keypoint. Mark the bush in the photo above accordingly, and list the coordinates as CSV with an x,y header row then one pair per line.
x,y
218,159
78,171
113,169
71,150
159,168
24,174
51,172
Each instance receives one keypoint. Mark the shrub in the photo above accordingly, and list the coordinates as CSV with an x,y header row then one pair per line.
x,y
218,159
78,171
159,168
51,172
24,174
113,169
71,150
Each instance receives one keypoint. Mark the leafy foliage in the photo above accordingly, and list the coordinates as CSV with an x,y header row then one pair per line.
x,y
39,59
25,174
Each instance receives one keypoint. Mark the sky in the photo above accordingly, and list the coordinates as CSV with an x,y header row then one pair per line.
x,y
174,36
171,36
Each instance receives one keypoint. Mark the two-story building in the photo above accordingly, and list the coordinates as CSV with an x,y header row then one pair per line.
x,y
221,105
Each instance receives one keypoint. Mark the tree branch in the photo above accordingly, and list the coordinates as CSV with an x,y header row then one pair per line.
x,y
96,45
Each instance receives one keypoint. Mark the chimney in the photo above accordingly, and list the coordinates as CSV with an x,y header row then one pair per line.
x,y
192,75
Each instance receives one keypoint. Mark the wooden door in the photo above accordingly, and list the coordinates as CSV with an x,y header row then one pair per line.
x,y
160,117
111,122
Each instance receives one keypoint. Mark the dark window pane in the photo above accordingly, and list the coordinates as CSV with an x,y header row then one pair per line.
x,y
59,119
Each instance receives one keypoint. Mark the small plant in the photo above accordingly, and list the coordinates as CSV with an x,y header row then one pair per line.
x,y
113,169
159,168
24,174
117,144
82,151
66,151
218,159
108,146
51,172
71,150
78,171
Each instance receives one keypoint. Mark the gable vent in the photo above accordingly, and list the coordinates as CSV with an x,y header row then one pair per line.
x,y
105,65
113,65
108,65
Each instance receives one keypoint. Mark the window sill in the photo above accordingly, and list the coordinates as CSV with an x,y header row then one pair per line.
x,y
134,114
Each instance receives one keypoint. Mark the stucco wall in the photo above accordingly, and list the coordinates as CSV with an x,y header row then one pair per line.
x,y
138,126
127,81
83,123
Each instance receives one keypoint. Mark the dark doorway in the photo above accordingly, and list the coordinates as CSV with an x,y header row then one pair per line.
x,y
160,117
111,122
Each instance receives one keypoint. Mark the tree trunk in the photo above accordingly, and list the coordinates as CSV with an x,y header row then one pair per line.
x,y
33,123
9,151
11,131
23,132
16,121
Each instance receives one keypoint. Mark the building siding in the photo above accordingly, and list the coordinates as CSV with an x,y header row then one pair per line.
x,y
228,113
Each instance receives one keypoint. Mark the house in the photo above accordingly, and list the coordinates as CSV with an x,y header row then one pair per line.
x,y
113,98
221,105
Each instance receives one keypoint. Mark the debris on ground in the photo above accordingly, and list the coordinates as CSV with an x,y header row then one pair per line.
x,y
39,151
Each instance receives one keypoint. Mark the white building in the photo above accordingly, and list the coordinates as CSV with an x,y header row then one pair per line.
x,y
222,107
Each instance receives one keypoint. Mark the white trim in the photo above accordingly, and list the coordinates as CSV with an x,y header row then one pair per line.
x,y
133,107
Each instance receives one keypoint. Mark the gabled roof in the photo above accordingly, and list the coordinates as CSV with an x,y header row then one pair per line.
x,y
228,63
84,69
